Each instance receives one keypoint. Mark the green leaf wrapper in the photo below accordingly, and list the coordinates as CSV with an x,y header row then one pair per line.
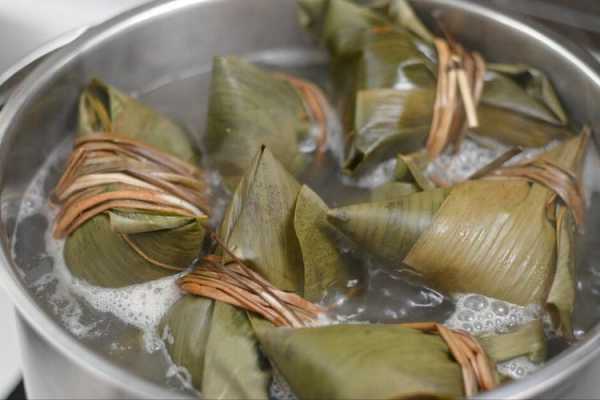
x,y
363,362
215,343
527,340
324,266
103,108
248,108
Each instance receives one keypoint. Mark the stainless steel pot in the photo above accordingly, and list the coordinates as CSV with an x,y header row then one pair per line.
x,y
147,51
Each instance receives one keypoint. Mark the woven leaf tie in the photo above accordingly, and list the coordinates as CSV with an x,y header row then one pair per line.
x,y
459,87
235,283
107,172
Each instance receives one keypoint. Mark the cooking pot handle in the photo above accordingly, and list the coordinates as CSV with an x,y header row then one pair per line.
x,y
12,77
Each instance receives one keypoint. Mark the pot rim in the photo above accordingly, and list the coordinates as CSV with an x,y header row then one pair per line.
x,y
553,373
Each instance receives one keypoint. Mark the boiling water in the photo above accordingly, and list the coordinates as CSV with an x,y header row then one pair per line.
x,y
121,324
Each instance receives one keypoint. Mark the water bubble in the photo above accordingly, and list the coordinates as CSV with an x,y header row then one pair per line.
x,y
466,315
476,302
468,327
500,308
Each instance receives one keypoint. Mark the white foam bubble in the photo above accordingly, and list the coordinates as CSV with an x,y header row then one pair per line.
x,y
479,315
474,155
517,368
142,306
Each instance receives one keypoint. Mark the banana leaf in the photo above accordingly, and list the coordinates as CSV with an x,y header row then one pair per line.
x,y
103,108
403,14
234,368
188,323
258,224
392,191
248,108
536,84
344,25
411,168
98,253
324,265
409,177
363,362
504,90
395,59
561,299
215,343
388,122
341,22
527,340
389,229
497,237
517,265
376,51
101,251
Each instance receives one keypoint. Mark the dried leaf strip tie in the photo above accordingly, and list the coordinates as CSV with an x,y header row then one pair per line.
x,y
316,105
107,172
459,88
477,370
234,283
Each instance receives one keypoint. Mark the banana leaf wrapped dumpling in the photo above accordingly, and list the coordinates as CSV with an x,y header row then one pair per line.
x,y
250,107
503,237
268,197
392,81
132,204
